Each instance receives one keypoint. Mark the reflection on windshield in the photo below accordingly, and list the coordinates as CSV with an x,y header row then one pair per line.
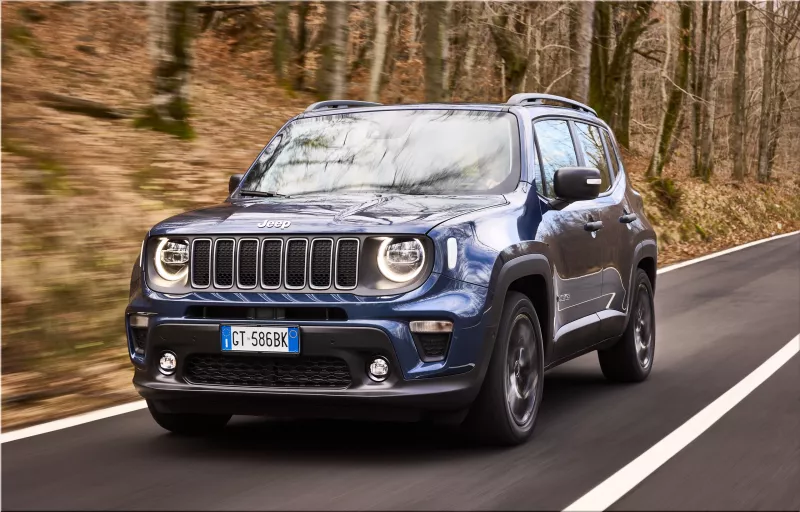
x,y
404,151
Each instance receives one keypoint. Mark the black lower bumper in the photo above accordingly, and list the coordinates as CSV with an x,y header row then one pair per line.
x,y
356,346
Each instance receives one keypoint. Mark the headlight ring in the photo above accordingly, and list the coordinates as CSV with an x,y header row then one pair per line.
x,y
401,260
172,259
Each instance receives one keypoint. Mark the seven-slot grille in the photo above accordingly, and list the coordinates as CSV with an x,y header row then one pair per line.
x,y
275,263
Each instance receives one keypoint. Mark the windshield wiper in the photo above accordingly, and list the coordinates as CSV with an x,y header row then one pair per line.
x,y
372,189
259,193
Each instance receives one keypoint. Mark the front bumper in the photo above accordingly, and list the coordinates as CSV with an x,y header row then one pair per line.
x,y
374,327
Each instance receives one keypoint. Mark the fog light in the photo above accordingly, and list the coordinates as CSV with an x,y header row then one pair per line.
x,y
167,363
379,369
141,321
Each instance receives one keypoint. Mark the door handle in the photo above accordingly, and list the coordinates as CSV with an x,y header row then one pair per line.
x,y
628,218
593,226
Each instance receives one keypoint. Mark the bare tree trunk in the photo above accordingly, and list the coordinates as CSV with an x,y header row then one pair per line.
x,y
699,70
710,104
170,35
765,128
433,14
622,120
739,144
580,42
281,45
463,40
614,105
413,15
332,71
673,105
444,34
472,46
679,128
790,14
391,42
515,62
379,51
601,48
301,45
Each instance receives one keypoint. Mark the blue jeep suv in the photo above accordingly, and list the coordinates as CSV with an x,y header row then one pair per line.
x,y
399,262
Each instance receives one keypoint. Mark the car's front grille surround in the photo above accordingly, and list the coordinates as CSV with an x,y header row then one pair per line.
x,y
320,263
201,263
271,263
247,263
347,256
224,262
282,264
296,263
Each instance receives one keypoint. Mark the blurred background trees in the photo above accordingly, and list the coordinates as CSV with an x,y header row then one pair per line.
x,y
690,73
692,58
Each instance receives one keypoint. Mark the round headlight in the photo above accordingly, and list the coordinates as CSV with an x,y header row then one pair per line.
x,y
172,259
401,260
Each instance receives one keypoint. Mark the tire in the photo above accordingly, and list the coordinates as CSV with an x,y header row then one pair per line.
x,y
494,418
186,424
631,358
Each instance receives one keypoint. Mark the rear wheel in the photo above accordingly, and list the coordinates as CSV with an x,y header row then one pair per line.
x,y
631,358
506,408
188,424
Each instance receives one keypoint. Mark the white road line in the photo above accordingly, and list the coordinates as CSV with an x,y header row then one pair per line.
x,y
72,421
140,404
620,483
723,253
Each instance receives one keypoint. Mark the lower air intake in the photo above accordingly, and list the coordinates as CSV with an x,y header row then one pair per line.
x,y
267,372
432,347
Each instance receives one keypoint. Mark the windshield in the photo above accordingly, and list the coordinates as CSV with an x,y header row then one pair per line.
x,y
402,151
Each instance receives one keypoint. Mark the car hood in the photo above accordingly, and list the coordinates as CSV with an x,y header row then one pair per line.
x,y
360,213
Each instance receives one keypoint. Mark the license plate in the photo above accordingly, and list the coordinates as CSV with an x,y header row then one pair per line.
x,y
240,338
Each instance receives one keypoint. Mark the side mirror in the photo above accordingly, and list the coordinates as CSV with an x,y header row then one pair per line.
x,y
233,182
577,183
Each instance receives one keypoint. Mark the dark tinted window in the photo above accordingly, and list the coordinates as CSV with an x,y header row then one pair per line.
x,y
611,153
594,154
404,151
557,149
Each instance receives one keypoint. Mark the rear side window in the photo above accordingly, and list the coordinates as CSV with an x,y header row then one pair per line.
x,y
594,154
556,148
612,153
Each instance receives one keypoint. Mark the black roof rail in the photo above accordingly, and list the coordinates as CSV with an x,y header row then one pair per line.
x,y
524,98
340,104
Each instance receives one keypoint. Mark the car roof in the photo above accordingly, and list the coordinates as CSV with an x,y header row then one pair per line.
x,y
490,107
530,103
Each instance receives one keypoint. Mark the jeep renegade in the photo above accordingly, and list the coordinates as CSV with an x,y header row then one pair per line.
x,y
429,261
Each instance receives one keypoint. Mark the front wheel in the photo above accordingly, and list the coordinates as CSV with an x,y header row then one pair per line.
x,y
506,408
188,424
631,358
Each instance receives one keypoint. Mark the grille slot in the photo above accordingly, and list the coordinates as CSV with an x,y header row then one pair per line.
x,y
321,263
271,372
296,263
347,263
271,258
247,267
223,263
201,263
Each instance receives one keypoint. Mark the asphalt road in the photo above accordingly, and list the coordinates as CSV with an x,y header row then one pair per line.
x,y
718,320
